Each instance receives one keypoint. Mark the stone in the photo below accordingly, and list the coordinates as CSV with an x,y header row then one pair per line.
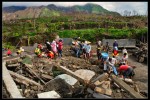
x,y
69,79
85,74
50,94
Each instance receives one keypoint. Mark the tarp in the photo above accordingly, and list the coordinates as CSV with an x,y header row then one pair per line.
x,y
121,42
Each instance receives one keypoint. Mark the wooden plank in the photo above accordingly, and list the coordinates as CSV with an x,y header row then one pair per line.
x,y
10,84
69,72
13,65
126,87
20,77
44,76
34,73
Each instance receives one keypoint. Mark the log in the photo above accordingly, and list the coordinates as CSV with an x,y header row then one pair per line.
x,y
21,81
98,83
48,77
22,78
10,84
126,87
34,73
136,88
13,65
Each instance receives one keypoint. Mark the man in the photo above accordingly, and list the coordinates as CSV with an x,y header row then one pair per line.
x,y
111,66
115,45
99,52
124,58
124,50
104,59
9,53
126,70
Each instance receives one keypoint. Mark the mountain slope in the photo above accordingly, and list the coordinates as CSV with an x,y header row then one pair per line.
x,y
12,9
18,12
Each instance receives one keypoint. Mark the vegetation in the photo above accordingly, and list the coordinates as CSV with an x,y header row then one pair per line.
x,y
88,27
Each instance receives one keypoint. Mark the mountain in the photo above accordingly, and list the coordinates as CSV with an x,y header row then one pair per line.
x,y
18,12
12,9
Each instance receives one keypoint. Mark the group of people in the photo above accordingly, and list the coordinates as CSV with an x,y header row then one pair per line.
x,y
110,64
51,50
82,48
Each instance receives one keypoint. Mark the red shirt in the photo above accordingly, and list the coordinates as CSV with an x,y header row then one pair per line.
x,y
60,45
123,67
115,52
8,52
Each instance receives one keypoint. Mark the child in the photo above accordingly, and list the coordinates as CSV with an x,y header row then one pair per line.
x,y
9,52
60,46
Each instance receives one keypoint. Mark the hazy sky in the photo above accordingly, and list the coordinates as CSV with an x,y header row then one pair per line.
x,y
140,7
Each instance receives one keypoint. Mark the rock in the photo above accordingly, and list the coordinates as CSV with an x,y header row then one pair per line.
x,y
90,90
50,94
85,74
118,91
69,79
59,85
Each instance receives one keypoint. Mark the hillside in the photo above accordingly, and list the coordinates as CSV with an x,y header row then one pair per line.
x,y
19,12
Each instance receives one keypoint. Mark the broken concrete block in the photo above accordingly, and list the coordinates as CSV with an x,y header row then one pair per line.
x,y
69,79
97,83
103,91
59,85
50,94
85,74
106,84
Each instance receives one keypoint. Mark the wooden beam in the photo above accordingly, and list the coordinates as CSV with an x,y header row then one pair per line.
x,y
13,65
22,78
34,73
10,84
126,87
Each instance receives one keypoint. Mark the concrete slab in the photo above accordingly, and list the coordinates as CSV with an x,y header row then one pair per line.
x,y
50,94
69,79
85,74
10,84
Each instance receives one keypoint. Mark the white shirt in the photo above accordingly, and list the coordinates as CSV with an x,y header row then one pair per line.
x,y
114,60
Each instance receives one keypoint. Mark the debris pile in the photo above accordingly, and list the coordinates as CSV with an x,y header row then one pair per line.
x,y
68,77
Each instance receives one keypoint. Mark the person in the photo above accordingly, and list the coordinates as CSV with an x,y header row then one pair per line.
x,y
99,52
60,46
124,58
81,50
107,47
9,53
126,70
38,51
111,66
50,55
20,51
84,49
115,45
104,59
48,45
124,50
88,50
115,52
54,47
99,43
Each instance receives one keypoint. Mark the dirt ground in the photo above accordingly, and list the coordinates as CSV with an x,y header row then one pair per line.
x,y
73,63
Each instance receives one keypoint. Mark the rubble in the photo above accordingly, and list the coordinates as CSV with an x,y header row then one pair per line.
x,y
69,77
50,94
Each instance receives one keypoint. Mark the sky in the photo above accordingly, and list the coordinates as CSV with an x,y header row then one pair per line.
x,y
140,7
